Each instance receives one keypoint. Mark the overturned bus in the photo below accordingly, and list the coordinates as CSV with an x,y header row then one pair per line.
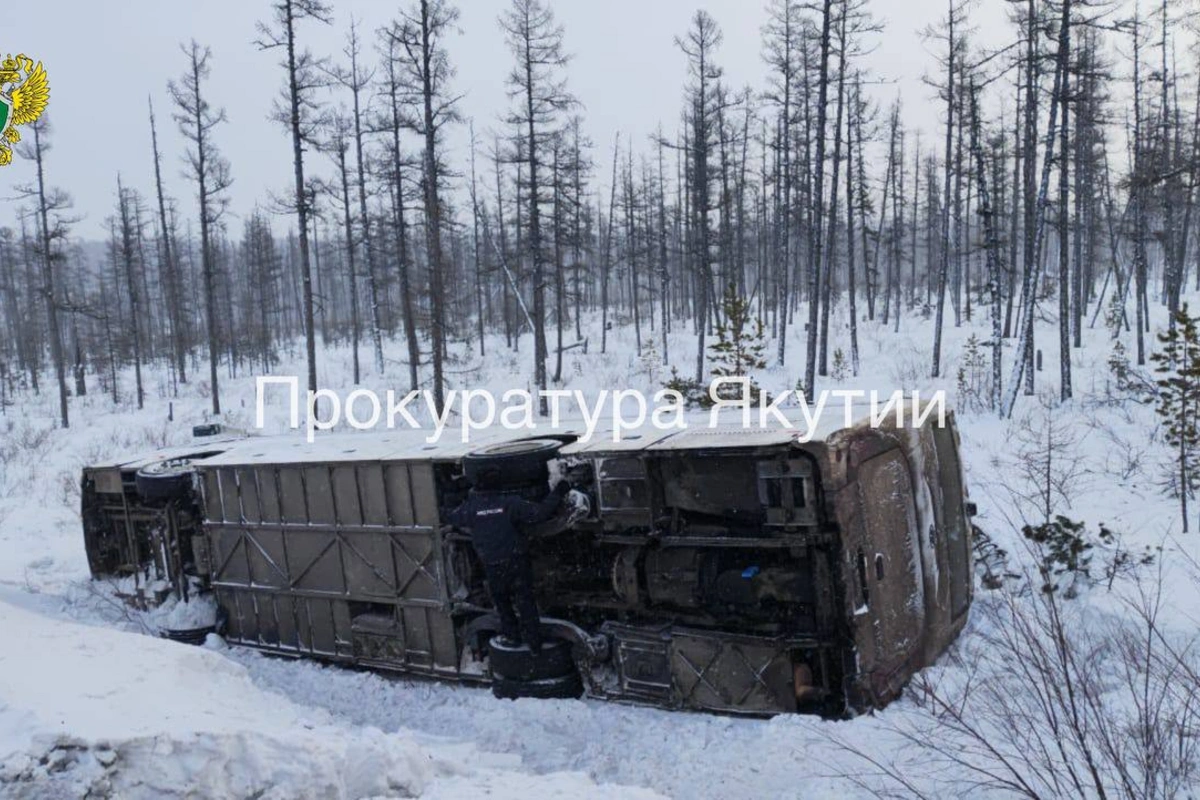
x,y
719,569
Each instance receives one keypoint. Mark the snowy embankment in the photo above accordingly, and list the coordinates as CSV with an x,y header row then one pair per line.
x,y
89,698
88,711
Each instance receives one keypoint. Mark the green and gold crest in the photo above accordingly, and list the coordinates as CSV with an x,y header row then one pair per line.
x,y
24,94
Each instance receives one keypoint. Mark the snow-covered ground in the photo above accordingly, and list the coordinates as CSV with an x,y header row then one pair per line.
x,y
90,709
91,700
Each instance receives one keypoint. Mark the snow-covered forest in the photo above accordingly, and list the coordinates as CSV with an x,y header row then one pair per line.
x,y
802,193
1031,250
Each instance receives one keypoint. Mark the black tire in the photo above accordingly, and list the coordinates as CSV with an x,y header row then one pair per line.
x,y
520,664
171,479
164,481
566,687
193,636
521,464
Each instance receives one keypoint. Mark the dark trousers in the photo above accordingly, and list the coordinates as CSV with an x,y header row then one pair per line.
x,y
510,583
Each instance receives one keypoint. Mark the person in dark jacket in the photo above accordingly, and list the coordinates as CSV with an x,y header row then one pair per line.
x,y
496,520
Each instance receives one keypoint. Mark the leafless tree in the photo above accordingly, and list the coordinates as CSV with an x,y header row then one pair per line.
x,y
53,229
539,92
197,120
1054,699
426,72
299,112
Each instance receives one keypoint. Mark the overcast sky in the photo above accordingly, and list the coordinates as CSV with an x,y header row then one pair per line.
x,y
105,58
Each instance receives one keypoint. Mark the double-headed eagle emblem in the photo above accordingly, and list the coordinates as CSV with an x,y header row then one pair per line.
x,y
24,100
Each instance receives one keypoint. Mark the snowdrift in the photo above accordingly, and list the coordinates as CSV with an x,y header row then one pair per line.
x,y
91,711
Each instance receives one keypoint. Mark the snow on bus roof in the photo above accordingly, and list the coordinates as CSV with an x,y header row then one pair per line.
x,y
725,436
393,445
631,441
701,434
140,459
422,444
295,448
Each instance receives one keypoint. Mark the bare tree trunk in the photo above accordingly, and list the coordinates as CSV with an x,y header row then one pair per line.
x,y
785,30
477,250
170,270
855,111
605,259
818,199
631,253
664,272
356,82
944,266
827,277
295,118
1029,299
135,311
1030,199
49,295
211,172
406,295
1141,223
1017,198
509,333
433,204
351,267
559,287
991,250
302,208
1064,256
